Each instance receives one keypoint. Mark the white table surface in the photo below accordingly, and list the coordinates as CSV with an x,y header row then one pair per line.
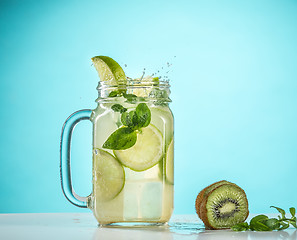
x,y
84,226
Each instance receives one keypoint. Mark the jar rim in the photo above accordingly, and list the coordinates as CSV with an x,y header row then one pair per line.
x,y
133,83
140,90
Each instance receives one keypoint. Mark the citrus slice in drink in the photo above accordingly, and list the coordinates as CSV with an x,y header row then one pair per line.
x,y
147,151
169,163
109,175
109,70
143,87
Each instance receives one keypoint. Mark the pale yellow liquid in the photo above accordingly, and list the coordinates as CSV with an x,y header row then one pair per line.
x,y
147,196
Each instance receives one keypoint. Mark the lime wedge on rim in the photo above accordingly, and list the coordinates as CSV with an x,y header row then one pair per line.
x,y
109,175
109,70
147,151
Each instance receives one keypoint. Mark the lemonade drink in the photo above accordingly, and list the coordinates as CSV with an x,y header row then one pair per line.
x,y
132,149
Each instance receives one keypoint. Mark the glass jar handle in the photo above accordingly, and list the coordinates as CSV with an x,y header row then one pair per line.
x,y
65,147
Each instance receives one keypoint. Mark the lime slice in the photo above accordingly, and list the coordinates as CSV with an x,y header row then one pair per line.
x,y
109,175
146,152
109,70
144,86
169,163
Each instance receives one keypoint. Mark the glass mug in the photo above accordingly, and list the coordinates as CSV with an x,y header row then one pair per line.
x,y
133,155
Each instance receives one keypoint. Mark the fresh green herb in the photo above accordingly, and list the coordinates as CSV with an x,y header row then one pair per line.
x,y
125,137
258,223
130,98
272,223
292,211
117,93
138,118
244,226
121,139
143,115
263,223
282,212
113,94
118,108
127,119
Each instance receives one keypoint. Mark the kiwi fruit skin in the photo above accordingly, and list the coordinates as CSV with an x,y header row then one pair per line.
x,y
202,200
203,193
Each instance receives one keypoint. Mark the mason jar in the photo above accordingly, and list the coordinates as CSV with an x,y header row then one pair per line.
x,y
133,154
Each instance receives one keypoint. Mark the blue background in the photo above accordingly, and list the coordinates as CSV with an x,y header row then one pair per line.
x,y
234,85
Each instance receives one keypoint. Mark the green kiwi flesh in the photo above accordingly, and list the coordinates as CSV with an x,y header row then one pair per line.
x,y
204,192
224,207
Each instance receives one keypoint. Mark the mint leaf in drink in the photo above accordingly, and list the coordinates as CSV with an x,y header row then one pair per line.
x,y
135,120
113,94
127,119
117,93
118,108
121,139
138,118
144,115
125,137
130,98
244,226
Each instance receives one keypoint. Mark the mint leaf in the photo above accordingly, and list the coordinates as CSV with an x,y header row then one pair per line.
x,y
117,93
137,119
257,223
118,108
263,223
259,226
113,94
258,218
125,137
130,98
283,213
121,139
143,115
284,226
127,119
272,223
292,211
244,226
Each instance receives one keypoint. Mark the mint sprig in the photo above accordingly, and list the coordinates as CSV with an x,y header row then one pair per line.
x,y
130,98
125,137
264,223
121,139
118,108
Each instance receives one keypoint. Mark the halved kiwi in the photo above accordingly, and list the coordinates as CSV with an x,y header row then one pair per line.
x,y
203,193
222,205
